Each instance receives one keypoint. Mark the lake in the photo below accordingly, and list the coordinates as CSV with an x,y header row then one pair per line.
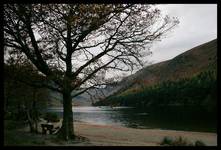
x,y
170,118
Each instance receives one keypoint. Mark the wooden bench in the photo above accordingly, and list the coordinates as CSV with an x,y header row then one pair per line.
x,y
47,127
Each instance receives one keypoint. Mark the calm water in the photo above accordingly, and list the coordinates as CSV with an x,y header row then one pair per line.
x,y
173,118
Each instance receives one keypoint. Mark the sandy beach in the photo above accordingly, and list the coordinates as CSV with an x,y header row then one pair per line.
x,y
107,135
104,135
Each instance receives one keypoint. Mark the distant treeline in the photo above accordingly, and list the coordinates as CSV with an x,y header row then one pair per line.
x,y
200,90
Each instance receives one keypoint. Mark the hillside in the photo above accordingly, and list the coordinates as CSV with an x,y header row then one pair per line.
x,y
186,65
187,74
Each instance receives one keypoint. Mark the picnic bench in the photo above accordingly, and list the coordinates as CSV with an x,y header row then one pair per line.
x,y
48,127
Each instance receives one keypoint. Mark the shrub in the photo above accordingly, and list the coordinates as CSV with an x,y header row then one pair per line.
x,y
199,143
51,117
181,142
167,141
7,116
11,124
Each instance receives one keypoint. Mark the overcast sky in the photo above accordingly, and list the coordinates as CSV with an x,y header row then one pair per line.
x,y
198,24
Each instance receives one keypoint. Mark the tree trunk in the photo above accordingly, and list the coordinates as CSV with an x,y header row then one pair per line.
x,y
31,112
35,113
67,129
30,122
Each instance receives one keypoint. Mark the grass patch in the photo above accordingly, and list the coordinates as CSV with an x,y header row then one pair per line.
x,y
20,138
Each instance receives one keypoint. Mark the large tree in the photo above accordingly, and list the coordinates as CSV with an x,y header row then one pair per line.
x,y
75,45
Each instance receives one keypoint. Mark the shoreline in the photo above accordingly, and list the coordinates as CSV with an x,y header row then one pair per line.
x,y
107,135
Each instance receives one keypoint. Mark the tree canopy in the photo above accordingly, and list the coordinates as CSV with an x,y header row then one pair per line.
x,y
74,45
83,41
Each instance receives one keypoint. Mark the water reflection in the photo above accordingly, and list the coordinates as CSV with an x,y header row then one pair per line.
x,y
175,118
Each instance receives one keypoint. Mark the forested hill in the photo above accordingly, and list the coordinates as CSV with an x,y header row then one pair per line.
x,y
195,65
188,64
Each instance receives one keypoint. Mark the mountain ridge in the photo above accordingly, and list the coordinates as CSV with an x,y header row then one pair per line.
x,y
185,65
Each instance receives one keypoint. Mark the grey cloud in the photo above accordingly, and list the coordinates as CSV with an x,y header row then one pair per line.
x,y
198,24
